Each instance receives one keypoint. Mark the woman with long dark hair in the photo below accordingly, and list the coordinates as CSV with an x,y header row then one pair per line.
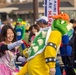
x,y
7,57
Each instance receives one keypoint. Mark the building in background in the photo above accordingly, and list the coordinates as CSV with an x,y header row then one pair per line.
x,y
25,8
69,6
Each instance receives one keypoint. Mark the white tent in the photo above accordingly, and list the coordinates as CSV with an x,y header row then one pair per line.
x,y
8,9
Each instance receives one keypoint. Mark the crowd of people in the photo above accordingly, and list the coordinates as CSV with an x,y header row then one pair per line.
x,y
39,44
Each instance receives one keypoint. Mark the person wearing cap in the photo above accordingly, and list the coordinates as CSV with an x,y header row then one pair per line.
x,y
39,62
42,22
43,50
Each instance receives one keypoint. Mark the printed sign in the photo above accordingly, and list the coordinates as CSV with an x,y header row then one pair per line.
x,y
51,7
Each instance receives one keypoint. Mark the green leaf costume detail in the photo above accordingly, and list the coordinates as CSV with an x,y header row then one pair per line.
x,y
39,43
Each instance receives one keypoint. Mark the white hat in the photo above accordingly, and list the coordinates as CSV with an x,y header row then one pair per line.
x,y
42,19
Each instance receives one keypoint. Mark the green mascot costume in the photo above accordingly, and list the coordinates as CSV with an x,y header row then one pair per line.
x,y
43,50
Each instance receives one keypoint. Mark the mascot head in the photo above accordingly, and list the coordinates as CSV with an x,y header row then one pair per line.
x,y
61,23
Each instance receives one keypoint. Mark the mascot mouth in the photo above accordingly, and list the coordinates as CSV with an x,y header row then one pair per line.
x,y
69,26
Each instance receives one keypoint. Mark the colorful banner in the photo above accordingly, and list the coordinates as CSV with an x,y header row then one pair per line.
x,y
51,7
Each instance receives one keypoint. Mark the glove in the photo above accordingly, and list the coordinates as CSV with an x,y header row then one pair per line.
x,y
27,45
